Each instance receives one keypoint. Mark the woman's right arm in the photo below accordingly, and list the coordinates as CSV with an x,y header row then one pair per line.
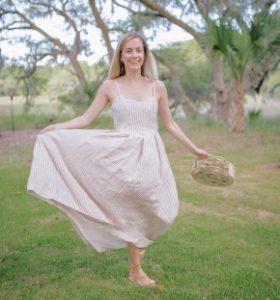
x,y
171,126
99,103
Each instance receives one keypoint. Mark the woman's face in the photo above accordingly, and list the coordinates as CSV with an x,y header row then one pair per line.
x,y
133,54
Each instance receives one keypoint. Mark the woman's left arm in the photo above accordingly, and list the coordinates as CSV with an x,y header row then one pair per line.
x,y
171,126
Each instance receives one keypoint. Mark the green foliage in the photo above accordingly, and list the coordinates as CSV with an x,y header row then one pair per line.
x,y
232,44
80,97
9,85
264,33
272,85
265,127
12,81
242,46
193,69
197,82
254,114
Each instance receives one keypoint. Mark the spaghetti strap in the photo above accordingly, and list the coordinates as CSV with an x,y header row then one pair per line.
x,y
119,94
154,88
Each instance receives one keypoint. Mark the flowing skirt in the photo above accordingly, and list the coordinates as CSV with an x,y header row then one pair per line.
x,y
115,186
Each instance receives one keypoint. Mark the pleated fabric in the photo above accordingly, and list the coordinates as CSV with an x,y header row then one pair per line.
x,y
115,186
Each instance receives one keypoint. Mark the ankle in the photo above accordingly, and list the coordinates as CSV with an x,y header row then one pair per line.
x,y
135,268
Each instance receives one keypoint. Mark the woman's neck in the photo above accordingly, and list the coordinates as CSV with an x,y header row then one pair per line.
x,y
133,76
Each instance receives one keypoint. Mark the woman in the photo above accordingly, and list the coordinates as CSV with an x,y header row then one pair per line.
x,y
116,186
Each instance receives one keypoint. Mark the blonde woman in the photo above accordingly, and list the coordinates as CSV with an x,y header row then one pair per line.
x,y
116,186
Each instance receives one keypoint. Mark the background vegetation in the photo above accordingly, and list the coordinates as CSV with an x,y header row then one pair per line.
x,y
234,50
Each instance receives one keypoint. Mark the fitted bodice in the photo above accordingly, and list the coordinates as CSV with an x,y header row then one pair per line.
x,y
134,115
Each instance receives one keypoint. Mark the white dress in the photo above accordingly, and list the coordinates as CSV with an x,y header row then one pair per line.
x,y
116,186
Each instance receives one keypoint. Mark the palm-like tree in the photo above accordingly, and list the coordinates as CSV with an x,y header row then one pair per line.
x,y
249,51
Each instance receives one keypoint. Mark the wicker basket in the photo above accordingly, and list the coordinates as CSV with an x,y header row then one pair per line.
x,y
213,170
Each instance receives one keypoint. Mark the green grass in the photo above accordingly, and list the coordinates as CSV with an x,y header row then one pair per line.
x,y
225,243
40,119
24,121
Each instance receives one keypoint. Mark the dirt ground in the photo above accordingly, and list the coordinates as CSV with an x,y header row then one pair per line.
x,y
14,141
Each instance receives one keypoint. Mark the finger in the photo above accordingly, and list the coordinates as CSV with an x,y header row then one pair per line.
x,y
43,131
200,157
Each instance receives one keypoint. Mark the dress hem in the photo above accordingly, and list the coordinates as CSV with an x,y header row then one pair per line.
x,y
56,204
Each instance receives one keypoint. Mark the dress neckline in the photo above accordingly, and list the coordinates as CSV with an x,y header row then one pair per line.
x,y
128,99
120,95
148,99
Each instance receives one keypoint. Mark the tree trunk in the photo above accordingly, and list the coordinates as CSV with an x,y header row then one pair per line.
x,y
77,69
71,54
180,94
179,91
27,92
238,118
220,110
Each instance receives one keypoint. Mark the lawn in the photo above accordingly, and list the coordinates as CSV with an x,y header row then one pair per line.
x,y
225,243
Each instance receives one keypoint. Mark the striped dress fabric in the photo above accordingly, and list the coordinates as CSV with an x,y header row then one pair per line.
x,y
115,186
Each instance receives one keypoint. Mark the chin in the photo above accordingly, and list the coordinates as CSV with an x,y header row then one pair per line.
x,y
134,68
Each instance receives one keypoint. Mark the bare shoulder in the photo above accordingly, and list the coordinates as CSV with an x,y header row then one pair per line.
x,y
107,88
160,88
107,84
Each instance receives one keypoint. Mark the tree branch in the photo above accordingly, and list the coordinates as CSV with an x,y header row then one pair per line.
x,y
202,10
102,26
63,49
142,13
62,12
15,28
77,41
33,26
173,19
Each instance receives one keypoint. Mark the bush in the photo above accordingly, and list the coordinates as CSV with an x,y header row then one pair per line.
x,y
80,98
254,114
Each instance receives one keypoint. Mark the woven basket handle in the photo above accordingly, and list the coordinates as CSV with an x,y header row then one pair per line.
x,y
220,159
213,156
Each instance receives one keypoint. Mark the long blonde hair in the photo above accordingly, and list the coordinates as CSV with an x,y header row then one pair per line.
x,y
149,67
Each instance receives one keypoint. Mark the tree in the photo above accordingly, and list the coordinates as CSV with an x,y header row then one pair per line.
x,y
250,52
24,15
180,95
272,85
186,65
259,21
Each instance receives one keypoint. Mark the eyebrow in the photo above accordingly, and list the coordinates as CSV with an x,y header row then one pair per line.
x,y
132,48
